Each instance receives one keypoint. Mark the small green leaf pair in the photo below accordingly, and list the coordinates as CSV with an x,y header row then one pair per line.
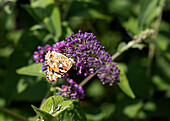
x,y
52,107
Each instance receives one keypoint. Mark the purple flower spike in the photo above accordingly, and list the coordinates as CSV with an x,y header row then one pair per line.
x,y
109,74
40,54
59,47
90,57
72,90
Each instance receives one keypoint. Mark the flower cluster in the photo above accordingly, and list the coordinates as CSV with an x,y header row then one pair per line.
x,y
109,74
39,55
89,56
72,90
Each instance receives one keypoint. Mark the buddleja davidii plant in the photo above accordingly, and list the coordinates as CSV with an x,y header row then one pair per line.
x,y
58,108
89,57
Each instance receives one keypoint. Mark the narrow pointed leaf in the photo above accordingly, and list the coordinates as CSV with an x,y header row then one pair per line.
x,y
50,14
124,83
32,70
147,8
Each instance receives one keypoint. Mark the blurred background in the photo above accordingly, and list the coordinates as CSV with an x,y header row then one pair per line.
x,y
25,24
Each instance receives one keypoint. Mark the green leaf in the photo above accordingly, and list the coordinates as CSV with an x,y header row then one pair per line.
x,y
64,105
91,13
50,14
139,46
124,83
80,9
40,7
147,8
160,83
100,113
66,29
122,47
79,114
33,90
75,113
36,27
51,101
163,65
31,11
21,86
163,42
46,116
2,102
53,22
132,110
56,22
131,25
96,90
32,70
56,104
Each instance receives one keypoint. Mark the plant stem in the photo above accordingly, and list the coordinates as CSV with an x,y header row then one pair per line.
x,y
152,42
87,79
59,89
14,114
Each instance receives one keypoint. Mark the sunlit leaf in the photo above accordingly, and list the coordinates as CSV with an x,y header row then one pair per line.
x,y
124,83
50,14
46,116
32,70
131,25
147,8
38,26
150,106
2,102
160,83
122,47
21,86
56,104
132,110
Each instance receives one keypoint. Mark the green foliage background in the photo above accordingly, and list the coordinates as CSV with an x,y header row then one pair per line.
x,y
144,92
